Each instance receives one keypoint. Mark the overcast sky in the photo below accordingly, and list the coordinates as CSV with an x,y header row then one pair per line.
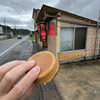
x,y
19,12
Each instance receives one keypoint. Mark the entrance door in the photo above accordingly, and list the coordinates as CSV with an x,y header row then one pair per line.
x,y
66,39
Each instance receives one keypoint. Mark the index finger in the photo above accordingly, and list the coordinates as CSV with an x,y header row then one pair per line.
x,y
24,84
8,66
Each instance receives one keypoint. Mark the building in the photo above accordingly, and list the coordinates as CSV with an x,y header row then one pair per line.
x,y
5,33
1,30
37,28
2,33
69,37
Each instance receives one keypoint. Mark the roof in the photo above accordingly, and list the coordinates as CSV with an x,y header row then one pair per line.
x,y
52,10
34,10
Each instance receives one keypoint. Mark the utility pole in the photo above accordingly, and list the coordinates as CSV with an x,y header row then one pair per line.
x,y
99,31
4,21
96,40
5,25
14,26
14,30
30,30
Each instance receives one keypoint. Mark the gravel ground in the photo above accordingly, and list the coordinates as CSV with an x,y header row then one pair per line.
x,y
79,81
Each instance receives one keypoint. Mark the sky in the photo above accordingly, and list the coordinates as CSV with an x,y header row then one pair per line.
x,y
18,13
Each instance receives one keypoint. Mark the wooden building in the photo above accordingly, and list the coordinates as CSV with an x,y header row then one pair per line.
x,y
69,37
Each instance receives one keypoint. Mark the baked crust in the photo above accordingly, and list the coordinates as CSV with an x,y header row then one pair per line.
x,y
48,66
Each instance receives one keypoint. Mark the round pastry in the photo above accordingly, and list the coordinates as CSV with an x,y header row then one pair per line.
x,y
48,66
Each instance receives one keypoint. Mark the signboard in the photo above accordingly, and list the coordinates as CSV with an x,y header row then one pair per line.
x,y
43,34
51,29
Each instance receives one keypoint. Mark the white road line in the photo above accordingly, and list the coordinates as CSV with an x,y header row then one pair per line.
x,y
13,46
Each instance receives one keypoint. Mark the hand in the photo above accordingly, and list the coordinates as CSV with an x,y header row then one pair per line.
x,y
9,74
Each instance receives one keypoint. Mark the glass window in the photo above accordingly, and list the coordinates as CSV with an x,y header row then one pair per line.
x,y
66,39
72,38
80,38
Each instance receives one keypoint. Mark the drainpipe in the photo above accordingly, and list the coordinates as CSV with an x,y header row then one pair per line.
x,y
96,36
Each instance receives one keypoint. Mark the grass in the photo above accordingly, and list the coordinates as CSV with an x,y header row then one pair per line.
x,y
32,38
5,38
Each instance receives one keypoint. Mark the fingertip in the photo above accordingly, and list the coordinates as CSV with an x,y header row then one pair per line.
x,y
23,61
36,70
31,61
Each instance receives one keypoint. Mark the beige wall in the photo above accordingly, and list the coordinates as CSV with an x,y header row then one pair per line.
x,y
78,54
52,40
98,43
91,35
52,44
90,41
66,17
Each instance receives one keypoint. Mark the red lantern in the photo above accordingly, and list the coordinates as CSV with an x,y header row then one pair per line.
x,y
30,34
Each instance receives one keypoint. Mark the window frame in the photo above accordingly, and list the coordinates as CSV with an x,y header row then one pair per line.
x,y
74,39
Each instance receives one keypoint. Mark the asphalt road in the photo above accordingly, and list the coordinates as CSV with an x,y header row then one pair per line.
x,y
5,45
23,51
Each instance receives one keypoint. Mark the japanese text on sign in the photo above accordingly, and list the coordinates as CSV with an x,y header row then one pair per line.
x,y
43,34
51,29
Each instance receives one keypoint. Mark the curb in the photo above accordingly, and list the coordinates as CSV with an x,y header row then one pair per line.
x,y
57,90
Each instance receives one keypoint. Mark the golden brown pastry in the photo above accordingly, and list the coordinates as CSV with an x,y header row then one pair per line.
x,y
48,66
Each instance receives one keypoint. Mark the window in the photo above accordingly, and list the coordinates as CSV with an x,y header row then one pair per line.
x,y
80,38
66,39
72,38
